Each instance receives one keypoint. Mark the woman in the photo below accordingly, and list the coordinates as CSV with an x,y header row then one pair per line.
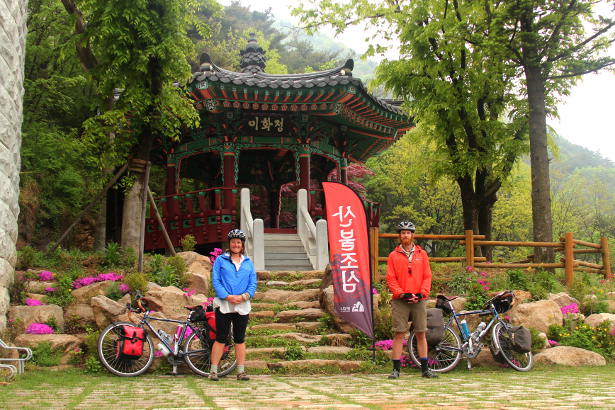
x,y
234,281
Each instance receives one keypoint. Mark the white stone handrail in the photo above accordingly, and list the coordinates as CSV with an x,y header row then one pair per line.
x,y
254,230
313,236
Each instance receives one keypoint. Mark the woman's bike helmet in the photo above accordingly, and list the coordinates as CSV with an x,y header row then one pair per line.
x,y
236,234
406,226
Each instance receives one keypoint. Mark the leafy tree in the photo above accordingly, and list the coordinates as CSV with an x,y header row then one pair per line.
x,y
552,42
459,92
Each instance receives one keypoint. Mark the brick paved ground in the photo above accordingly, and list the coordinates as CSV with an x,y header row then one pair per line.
x,y
542,388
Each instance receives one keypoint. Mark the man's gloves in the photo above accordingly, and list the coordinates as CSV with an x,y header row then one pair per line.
x,y
411,297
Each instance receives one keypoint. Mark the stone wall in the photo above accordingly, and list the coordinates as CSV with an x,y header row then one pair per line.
x,y
12,52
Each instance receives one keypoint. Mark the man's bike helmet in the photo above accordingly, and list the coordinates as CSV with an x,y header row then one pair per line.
x,y
236,234
406,226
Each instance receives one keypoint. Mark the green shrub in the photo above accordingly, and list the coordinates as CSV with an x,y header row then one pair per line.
x,y
361,340
579,334
27,257
188,243
294,351
63,294
460,283
136,281
118,257
92,364
91,340
45,355
17,289
538,341
167,271
114,292
74,325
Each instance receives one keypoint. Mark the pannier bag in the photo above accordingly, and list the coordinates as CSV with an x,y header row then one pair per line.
x,y
130,345
199,314
521,339
435,326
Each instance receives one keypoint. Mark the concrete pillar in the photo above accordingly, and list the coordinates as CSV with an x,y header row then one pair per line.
x,y
12,53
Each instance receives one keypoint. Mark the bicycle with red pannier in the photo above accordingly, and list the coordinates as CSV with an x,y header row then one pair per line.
x,y
126,348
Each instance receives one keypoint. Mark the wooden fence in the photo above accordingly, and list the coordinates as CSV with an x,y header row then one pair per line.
x,y
568,245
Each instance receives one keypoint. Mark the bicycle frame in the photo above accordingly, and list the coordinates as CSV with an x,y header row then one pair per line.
x,y
483,312
175,351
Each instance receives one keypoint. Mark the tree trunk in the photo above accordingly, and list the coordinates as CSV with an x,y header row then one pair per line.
x,y
539,159
100,234
485,219
131,214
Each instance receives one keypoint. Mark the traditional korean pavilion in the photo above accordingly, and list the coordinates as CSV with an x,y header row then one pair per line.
x,y
272,133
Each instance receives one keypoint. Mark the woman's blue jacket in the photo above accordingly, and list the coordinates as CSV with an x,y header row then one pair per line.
x,y
229,281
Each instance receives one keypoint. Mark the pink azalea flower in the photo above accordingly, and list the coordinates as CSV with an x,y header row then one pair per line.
x,y
124,288
612,332
50,290
158,353
214,254
33,302
39,329
374,291
553,343
45,276
571,308
469,268
109,276
189,292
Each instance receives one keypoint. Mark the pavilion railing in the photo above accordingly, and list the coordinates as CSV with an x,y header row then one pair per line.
x,y
254,230
469,240
313,235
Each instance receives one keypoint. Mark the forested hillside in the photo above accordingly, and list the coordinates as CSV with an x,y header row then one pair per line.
x,y
63,167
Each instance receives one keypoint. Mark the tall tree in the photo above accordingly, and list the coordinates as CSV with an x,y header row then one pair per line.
x,y
457,92
553,42
141,49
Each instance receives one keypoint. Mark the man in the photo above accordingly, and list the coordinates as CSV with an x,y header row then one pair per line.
x,y
409,280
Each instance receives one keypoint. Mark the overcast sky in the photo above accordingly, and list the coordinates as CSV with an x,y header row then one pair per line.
x,y
587,115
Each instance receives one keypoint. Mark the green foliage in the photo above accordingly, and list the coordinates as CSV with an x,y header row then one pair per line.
x,y
45,355
167,271
117,257
361,340
63,294
188,243
136,281
293,352
113,291
460,283
383,320
26,258
579,334
590,290
91,341
74,325
538,341
93,365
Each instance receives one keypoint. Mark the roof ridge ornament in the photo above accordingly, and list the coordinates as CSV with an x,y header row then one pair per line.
x,y
347,68
252,57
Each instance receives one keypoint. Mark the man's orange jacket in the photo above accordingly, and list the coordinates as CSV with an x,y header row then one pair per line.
x,y
406,277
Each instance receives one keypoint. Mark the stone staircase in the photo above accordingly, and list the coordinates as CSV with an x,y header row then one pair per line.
x,y
285,252
288,330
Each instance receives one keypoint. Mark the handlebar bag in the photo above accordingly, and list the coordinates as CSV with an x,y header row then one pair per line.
x,y
130,344
435,326
521,339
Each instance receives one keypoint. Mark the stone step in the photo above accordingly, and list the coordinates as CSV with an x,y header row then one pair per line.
x,y
292,315
286,258
270,250
285,296
279,274
285,265
344,365
296,283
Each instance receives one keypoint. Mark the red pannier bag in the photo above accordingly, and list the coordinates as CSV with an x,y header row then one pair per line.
x,y
130,345
211,321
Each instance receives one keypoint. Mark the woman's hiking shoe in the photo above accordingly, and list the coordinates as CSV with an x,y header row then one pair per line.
x,y
394,374
242,376
429,374
213,376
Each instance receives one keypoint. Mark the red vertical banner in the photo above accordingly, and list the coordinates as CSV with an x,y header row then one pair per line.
x,y
349,256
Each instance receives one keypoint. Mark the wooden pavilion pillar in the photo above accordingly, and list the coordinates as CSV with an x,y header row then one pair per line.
x,y
343,170
171,185
228,165
304,168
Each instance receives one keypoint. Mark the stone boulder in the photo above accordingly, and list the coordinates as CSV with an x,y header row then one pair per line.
x,y
305,282
81,310
58,341
597,318
538,315
292,315
327,306
107,310
329,349
284,296
37,286
569,356
302,304
171,300
299,337
610,295
484,359
198,271
562,299
37,314
521,296
84,294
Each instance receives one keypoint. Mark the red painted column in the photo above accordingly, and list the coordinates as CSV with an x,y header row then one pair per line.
x,y
171,185
343,171
229,178
304,169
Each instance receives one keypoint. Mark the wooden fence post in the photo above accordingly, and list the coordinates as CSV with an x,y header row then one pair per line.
x,y
606,261
469,234
569,258
374,231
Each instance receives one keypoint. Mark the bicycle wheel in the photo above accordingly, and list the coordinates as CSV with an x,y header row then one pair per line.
x,y
442,357
504,349
198,355
107,352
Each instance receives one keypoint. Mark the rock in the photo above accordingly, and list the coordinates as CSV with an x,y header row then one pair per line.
x,y
569,356
273,326
37,286
84,294
300,337
263,306
305,282
284,296
430,303
546,344
262,313
610,295
37,296
521,296
62,342
37,314
106,311
290,315
597,318
256,364
562,299
276,283
82,310
308,325
484,359
538,315
459,303
327,305
198,271
269,350
344,365
611,304
337,339
329,349
169,300
303,304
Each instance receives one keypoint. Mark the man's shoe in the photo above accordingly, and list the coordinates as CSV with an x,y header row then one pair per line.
x,y
394,374
429,374
242,376
213,376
